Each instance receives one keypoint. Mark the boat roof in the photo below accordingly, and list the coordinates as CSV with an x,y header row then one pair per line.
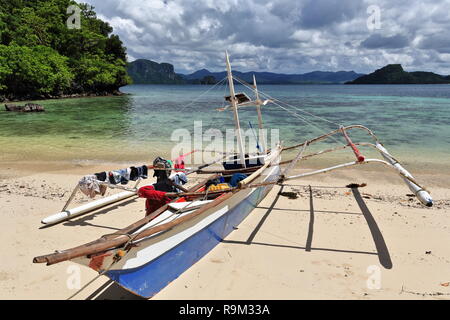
x,y
241,97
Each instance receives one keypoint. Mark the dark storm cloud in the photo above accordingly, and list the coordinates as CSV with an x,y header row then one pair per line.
x,y
283,35
377,41
438,42
320,13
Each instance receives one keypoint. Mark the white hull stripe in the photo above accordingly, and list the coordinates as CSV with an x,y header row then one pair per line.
x,y
147,254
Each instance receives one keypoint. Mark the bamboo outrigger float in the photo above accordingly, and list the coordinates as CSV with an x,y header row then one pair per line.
x,y
145,256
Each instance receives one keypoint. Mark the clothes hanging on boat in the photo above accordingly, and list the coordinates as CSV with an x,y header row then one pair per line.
x,y
215,181
134,174
161,175
179,178
143,172
90,186
179,162
236,178
164,184
160,163
155,199
101,176
138,173
114,177
121,176
219,187
124,175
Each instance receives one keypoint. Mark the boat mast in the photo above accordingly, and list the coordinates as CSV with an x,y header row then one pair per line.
x,y
260,122
235,111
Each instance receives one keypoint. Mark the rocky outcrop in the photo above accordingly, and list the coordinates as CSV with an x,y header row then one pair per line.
x,y
149,72
29,107
394,74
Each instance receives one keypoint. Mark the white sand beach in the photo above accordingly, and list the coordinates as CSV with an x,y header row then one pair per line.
x,y
285,249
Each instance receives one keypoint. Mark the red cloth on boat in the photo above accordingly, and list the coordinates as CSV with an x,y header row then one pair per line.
x,y
179,162
155,199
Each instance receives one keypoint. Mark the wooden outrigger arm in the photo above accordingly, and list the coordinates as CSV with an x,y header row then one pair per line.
x,y
67,214
119,239
421,193
356,151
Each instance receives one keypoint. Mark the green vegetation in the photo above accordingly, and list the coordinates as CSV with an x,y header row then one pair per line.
x,y
40,57
394,74
144,71
204,80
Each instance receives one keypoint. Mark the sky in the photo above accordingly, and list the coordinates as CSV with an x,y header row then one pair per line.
x,y
284,36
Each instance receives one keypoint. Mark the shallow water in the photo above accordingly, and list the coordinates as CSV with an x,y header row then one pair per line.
x,y
413,121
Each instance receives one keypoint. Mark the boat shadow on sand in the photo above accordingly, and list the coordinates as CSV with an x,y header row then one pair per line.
x,y
112,291
83,221
380,244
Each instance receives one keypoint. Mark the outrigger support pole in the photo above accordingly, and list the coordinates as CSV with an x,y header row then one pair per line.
x,y
74,192
358,154
421,193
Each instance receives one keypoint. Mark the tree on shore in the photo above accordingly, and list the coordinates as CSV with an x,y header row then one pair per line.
x,y
40,56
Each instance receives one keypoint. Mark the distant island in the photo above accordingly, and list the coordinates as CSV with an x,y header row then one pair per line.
x,y
144,71
42,58
394,74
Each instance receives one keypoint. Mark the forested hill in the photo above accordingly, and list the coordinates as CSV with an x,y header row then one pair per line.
x,y
394,74
150,72
41,57
143,71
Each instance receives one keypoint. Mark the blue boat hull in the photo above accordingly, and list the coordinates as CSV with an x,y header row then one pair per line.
x,y
150,278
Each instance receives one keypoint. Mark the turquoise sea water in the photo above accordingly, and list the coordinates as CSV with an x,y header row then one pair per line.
x,y
413,121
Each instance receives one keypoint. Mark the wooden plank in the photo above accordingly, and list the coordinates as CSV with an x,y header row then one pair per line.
x,y
110,240
293,162
230,172
90,249
275,153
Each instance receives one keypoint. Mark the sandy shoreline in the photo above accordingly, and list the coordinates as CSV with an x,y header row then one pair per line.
x,y
283,250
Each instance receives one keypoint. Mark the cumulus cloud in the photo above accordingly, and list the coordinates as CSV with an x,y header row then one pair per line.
x,y
282,35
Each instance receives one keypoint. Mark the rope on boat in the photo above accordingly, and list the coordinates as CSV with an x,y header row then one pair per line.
x,y
357,153
116,259
216,116
90,282
196,99
243,82
295,114
316,187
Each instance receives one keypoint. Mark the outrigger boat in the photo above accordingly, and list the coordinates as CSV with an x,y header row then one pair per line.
x,y
147,255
